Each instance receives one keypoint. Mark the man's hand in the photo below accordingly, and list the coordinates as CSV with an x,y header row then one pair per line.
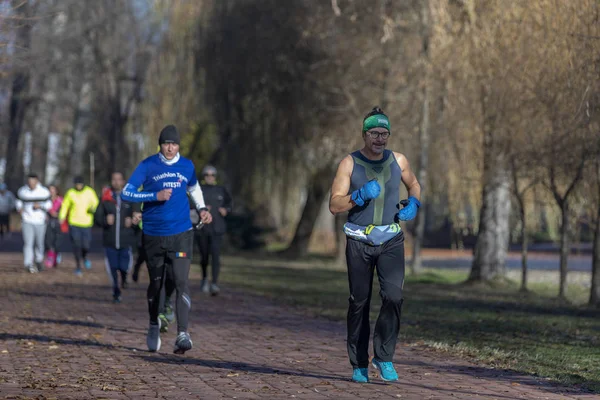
x,y
370,190
164,195
53,213
127,222
136,218
205,217
222,211
411,206
36,206
110,219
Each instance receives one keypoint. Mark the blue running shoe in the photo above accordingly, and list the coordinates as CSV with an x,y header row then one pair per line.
x,y
386,369
88,264
360,375
78,273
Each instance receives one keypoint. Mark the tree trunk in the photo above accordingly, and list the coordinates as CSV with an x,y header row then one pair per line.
x,y
18,100
595,291
564,249
318,188
81,123
524,244
39,146
492,240
416,264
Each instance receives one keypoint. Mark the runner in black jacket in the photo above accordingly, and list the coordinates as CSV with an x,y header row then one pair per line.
x,y
115,217
210,237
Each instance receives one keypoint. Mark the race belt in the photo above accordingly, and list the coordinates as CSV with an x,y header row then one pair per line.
x,y
374,235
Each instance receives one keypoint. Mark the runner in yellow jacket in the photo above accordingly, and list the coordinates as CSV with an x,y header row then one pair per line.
x,y
78,207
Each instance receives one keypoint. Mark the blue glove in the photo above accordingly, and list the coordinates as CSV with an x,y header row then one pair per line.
x,y
411,205
370,190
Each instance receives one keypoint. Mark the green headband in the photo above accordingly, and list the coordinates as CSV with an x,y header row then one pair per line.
x,y
376,121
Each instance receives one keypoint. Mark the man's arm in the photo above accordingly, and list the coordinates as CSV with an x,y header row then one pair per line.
x,y
64,208
99,216
18,202
195,193
47,205
340,200
408,177
227,200
95,200
130,191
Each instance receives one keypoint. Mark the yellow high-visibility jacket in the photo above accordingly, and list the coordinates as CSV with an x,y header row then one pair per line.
x,y
80,207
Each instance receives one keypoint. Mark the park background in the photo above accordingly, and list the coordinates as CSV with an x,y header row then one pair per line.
x,y
495,103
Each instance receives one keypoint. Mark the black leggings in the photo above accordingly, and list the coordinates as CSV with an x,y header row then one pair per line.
x,y
361,259
141,258
4,222
80,241
53,235
173,252
209,245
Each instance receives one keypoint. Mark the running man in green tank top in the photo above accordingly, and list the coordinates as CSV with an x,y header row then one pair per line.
x,y
367,185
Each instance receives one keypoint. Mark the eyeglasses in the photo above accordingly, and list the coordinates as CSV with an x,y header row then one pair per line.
x,y
209,174
375,134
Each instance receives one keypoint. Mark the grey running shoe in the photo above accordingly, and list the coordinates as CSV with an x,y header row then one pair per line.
x,y
183,343
153,337
204,286
32,269
214,289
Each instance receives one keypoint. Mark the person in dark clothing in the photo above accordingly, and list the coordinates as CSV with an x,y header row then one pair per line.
x,y
209,238
115,217
53,230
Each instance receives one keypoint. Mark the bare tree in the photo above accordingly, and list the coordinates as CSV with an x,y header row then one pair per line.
x,y
424,137
20,97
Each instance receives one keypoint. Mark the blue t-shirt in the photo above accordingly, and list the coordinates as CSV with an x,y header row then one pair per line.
x,y
162,218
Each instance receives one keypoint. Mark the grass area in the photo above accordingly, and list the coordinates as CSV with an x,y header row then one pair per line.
x,y
531,333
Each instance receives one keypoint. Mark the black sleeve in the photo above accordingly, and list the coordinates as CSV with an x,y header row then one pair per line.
x,y
129,210
99,216
136,207
227,200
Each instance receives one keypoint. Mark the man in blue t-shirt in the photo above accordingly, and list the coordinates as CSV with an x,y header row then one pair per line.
x,y
167,179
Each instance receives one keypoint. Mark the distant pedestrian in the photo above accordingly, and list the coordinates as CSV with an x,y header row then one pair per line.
x,y
114,216
53,231
33,201
78,208
210,238
7,205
